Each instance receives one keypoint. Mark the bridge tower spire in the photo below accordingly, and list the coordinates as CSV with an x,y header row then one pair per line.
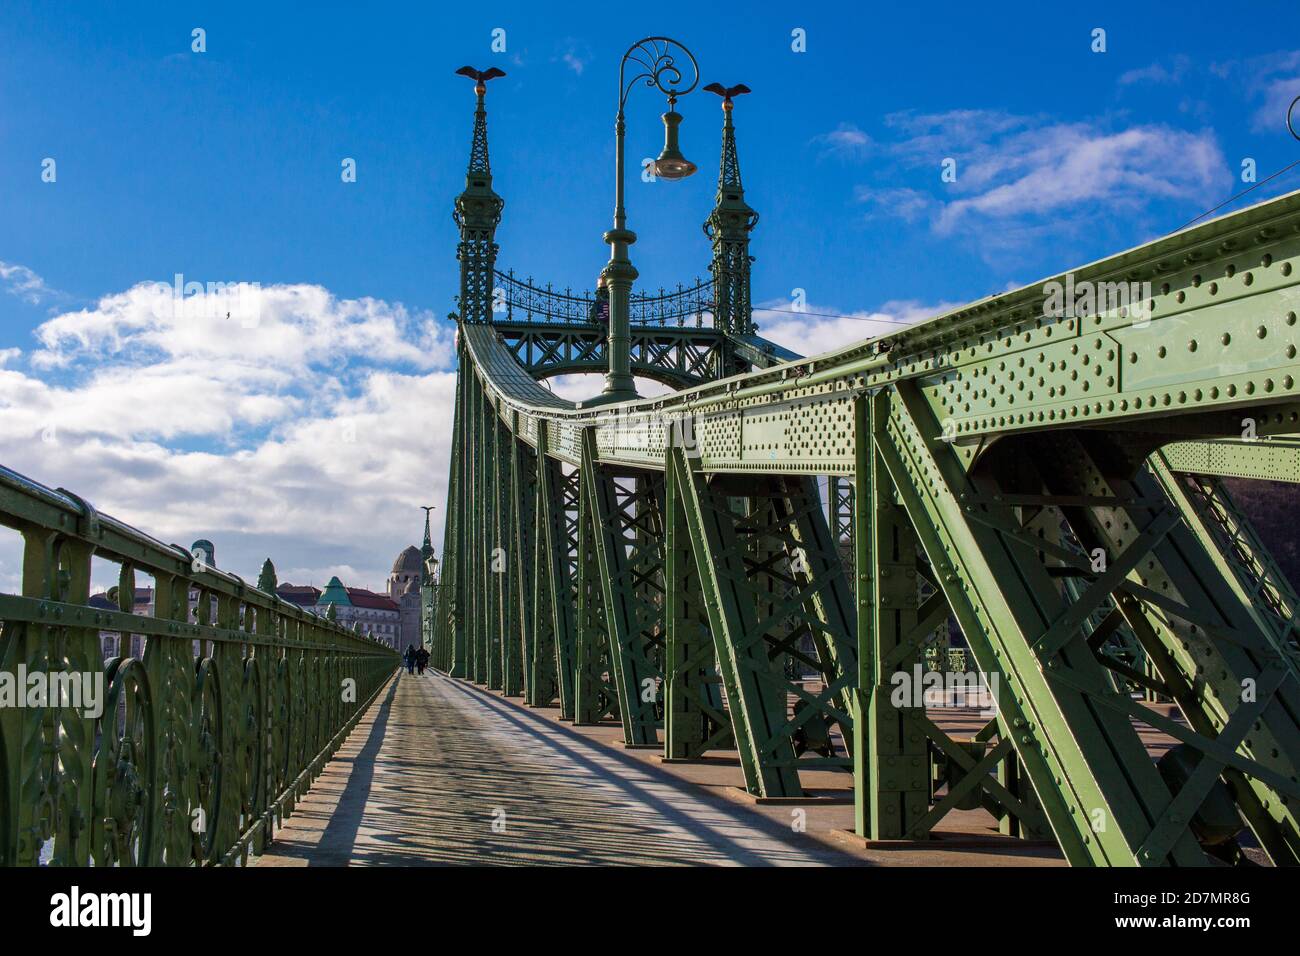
x,y
728,226
477,213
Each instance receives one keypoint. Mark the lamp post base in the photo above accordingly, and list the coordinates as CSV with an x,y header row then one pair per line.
x,y
608,397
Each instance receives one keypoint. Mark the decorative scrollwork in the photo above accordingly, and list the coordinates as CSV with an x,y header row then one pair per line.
x,y
173,771
660,69
123,826
209,732
514,300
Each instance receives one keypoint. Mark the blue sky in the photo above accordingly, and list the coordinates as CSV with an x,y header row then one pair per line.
x,y
225,166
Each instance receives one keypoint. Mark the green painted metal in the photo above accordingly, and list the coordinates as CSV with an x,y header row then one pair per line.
x,y
556,594
202,743
523,494
1097,786
893,754
595,695
728,227
678,358
764,556
1275,459
987,465
1233,544
627,541
498,563
695,719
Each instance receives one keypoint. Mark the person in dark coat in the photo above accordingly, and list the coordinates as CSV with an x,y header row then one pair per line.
x,y
599,314
421,661
410,658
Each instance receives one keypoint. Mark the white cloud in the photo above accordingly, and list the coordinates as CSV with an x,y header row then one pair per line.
x,y
1159,73
584,385
818,330
23,283
312,437
1271,80
845,141
1022,179
902,202
574,54
1042,172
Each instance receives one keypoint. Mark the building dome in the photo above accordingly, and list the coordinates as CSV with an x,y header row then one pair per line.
x,y
408,562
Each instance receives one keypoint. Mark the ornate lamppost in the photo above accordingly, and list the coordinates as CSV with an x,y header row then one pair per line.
x,y
662,68
428,584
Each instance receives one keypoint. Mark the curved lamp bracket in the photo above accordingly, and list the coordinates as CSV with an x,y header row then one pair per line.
x,y
660,68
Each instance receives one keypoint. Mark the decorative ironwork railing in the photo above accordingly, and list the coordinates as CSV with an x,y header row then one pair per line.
x,y
516,300
185,753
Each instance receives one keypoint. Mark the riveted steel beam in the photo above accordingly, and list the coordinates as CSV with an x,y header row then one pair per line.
x,y
523,493
596,695
1098,788
1214,652
764,558
1211,344
555,597
695,719
1232,543
677,357
1276,459
627,545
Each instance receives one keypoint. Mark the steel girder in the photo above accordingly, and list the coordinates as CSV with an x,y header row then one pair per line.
x,y
623,518
695,717
1097,786
1216,334
839,494
555,594
763,555
995,451
523,491
484,670
448,653
594,694
1232,542
677,357
1275,459
900,605
1070,726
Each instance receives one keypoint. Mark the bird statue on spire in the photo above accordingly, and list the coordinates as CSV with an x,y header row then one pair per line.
x,y
480,77
727,92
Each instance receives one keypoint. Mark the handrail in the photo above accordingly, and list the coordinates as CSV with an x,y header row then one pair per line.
x,y
516,300
185,753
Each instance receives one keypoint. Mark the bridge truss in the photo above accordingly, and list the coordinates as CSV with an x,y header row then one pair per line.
x,y
759,560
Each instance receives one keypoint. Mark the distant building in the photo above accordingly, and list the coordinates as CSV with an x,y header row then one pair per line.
x,y
404,589
303,595
375,614
393,618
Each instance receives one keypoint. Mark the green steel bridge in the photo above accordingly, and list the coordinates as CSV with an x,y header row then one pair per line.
x,y
754,563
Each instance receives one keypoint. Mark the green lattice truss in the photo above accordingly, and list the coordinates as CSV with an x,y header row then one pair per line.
x,y
1032,472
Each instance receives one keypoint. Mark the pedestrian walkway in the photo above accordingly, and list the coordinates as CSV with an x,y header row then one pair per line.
x,y
441,772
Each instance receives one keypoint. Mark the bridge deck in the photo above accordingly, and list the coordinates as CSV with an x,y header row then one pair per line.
x,y
434,762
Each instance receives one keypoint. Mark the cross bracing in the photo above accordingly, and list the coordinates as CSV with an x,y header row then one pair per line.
x,y
1024,466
